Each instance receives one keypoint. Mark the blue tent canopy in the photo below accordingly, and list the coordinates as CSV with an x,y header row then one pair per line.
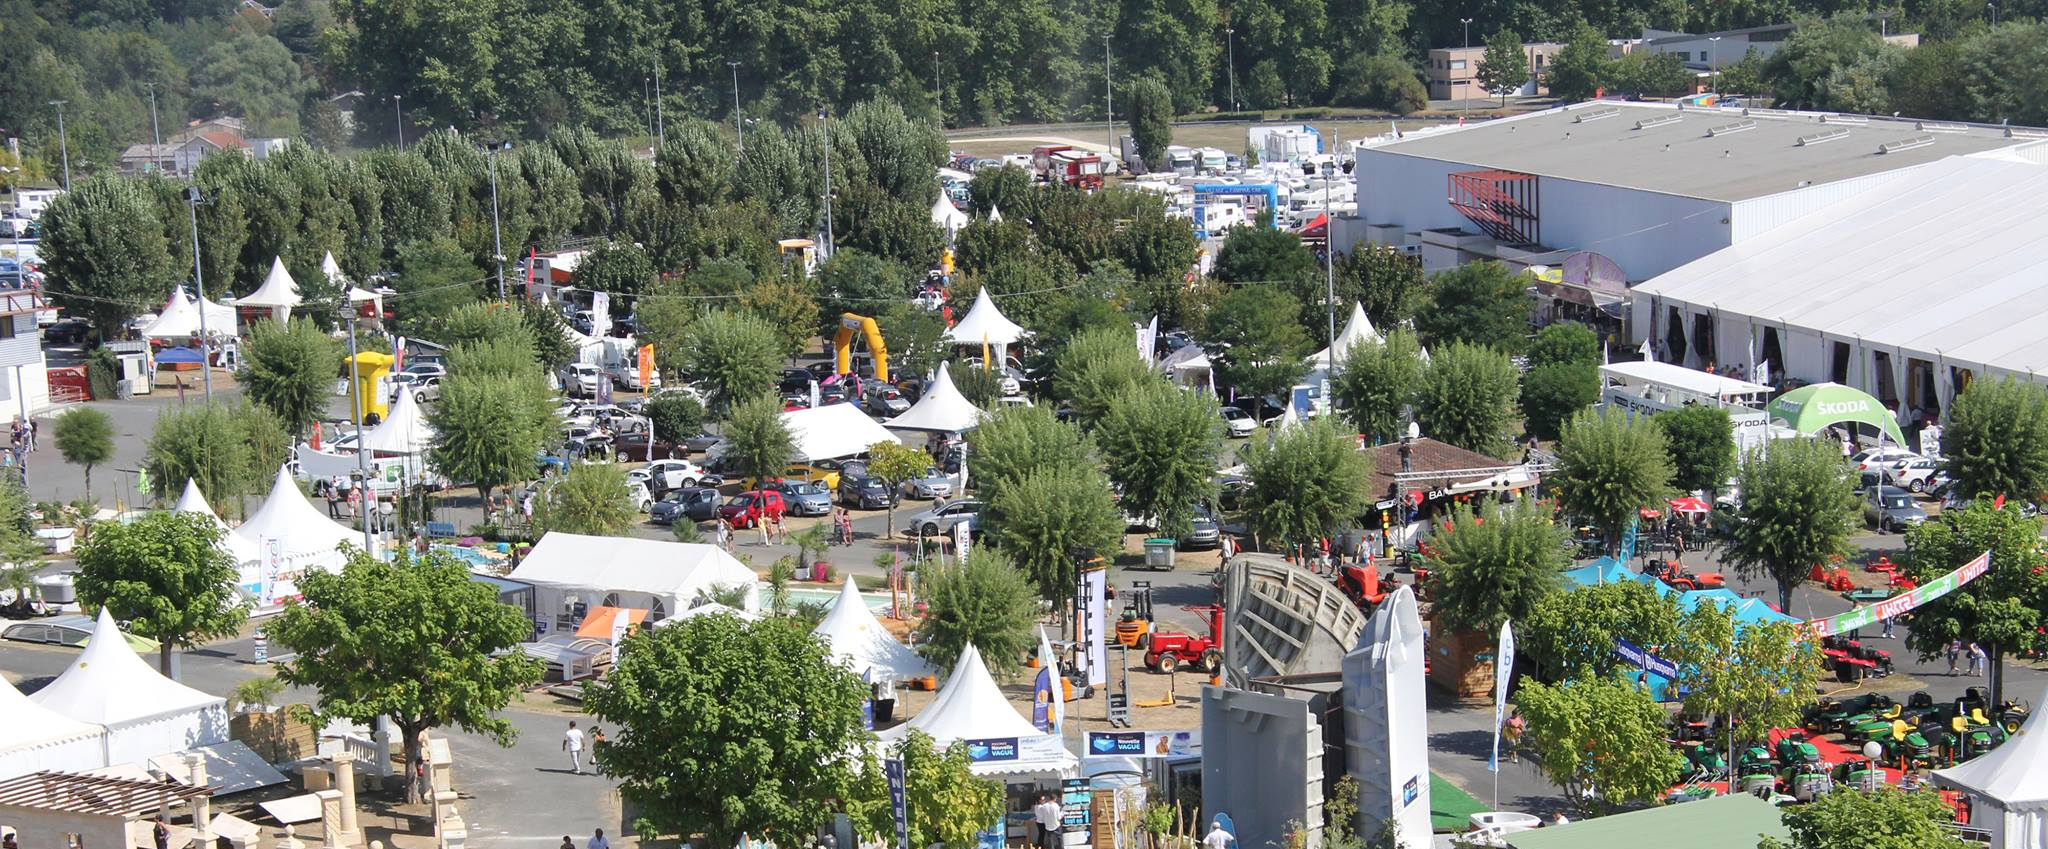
x,y
1607,570
186,356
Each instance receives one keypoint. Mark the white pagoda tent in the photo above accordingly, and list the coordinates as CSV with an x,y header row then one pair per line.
x,y
34,738
971,707
144,713
995,214
1356,330
942,408
403,430
193,501
947,216
2008,787
356,294
986,324
658,576
309,538
834,430
853,634
180,318
279,292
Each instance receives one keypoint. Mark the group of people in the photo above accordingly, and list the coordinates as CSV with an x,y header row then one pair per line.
x,y
1975,654
21,440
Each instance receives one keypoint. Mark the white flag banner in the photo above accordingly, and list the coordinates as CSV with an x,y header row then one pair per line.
x,y
1503,669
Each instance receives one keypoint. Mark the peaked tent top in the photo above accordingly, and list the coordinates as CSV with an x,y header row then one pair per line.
x,y
180,318
25,724
969,707
985,323
403,430
942,408
860,642
278,289
1356,330
947,216
286,515
109,685
193,501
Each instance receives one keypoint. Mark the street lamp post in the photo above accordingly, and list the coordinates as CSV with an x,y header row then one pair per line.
x,y
1230,47
63,145
1994,13
737,124
192,201
156,133
1714,61
938,94
355,398
1330,264
497,233
398,109
825,118
660,122
1108,101
1466,24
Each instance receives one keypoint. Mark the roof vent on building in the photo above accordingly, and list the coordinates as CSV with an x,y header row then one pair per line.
x,y
1823,137
1767,113
1595,115
1932,127
1905,144
1647,123
2017,133
1729,129
1843,119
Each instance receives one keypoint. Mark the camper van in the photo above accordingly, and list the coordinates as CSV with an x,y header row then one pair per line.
x,y
1213,160
1181,160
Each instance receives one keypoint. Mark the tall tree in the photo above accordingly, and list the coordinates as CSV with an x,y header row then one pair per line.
x,y
734,355
1481,303
1161,443
1492,569
105,252
1149,108
757,443
1798,509
1376,388
620,268
1255,341
1553,394
1095,368
983,602
1610,465
947,804
1305,481
1386,282
1997,440
1581,67
1755,676
1261,253
1600,739
205,443
288,368
2002,609
1051,518
589,498
893,463
416,641
685,699
1889,818
1701,442
1013,442
1466,398
1572,633
1505,67
85,436
1564,343
166,575
490,431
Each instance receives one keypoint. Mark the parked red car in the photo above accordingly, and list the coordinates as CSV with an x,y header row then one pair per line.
x,y
746,509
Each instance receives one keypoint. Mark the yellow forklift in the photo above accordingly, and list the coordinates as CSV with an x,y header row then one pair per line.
x,y
1134,625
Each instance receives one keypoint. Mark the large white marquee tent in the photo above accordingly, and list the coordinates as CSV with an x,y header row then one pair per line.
x,y
144,713
193,501
860,642
834,430
971,707
180,319
34,738
942,408
655,575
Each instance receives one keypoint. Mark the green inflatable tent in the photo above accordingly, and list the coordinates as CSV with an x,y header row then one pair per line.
x,y
1808,409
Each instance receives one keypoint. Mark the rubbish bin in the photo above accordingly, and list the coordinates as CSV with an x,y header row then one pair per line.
x,y
1159,553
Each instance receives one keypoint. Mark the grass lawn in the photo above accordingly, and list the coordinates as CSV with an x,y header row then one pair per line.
x,y
1450,807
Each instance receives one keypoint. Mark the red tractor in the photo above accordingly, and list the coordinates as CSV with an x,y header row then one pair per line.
x,y
1170,649
1675,575
1364,584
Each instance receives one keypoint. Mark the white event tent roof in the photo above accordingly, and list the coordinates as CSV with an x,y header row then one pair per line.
x,y
942,408
1697,382
279,292
971,707
834,430
193,501
34,738
403,430
1356,330
853,634
2012,780
144,713
310,539
984,323
180,318
947,216
1943,262
356,294
654,575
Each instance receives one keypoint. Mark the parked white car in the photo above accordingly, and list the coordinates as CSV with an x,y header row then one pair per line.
x,y
1918,475
665,475
1239,423
1881,459
582,379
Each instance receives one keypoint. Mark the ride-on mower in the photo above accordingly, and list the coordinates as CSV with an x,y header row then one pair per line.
x,y
1675,575
1134,626
1170,649
1364,585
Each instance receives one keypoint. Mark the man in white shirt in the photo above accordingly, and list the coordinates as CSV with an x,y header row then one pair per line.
x,y
1047,814
1217,838
597,841
572,742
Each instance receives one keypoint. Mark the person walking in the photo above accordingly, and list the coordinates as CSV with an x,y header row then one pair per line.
x,y
1887,627
567,843
1511,733
1217,838
597,841
1955,651
1977,659
161,832
1047,815
572,742
35,430
762,523
723,534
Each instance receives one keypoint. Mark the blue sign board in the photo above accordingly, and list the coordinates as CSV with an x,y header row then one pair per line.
x,y
992,750
1648,662
1108,743
898,805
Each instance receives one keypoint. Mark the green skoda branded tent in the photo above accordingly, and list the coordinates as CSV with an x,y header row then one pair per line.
x,y
1808,409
